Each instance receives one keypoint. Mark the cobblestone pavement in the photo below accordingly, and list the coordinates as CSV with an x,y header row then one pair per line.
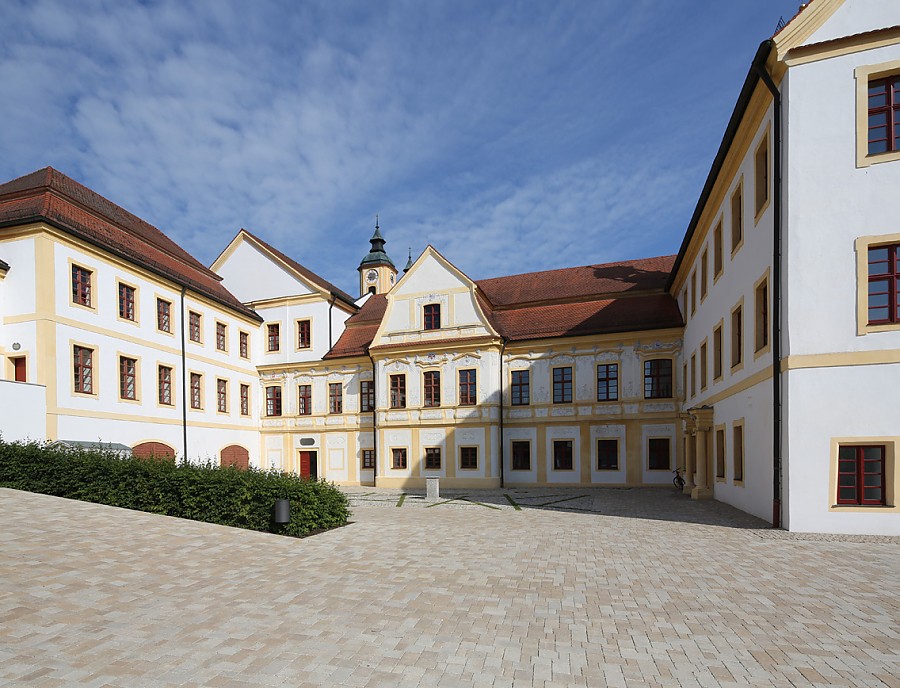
x,y
643,588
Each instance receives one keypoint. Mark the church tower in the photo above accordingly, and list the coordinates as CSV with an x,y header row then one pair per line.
x,y
377,273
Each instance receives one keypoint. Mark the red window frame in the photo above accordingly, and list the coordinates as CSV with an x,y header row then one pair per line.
x,y
84,370
304,400
608,382
398,391
222,396
884,284
221,336
335,397
468,458
126,302
563,458
127,378
368,459
468,386
520,393
195,390
659,455
303,332
273,337
273,401
861,475
884,115
164,377
432,320
432,380
432,458
658,378
521,455
194,326
244,345
245,400
81,286
398,459
607,455
163,315
562,385
366,396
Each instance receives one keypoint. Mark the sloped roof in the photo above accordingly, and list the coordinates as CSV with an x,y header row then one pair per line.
x,y
354,341
371,311
307,273
4,265
50,196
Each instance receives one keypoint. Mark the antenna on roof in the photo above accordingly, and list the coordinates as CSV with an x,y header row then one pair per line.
x,y
780,25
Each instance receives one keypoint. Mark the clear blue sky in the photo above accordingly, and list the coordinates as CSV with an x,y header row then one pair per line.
x,y
513,136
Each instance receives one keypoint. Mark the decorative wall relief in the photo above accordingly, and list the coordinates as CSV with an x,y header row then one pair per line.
x,y
336,441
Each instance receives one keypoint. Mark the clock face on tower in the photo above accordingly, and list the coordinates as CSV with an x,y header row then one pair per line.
x,y
371,276
392,279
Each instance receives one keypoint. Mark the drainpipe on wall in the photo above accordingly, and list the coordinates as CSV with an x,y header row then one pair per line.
x,y
184,376
375,416
502,349
776,299
330,306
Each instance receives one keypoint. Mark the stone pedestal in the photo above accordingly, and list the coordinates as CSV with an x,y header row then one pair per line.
x,y
432,488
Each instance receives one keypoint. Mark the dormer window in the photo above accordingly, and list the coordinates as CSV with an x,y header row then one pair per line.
x,y
433,316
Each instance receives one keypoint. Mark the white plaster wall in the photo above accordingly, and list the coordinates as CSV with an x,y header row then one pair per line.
x,y
472,437
517,434
337,467
318,313
19,284
252,276
25,334
364,440
612,431
563,432
24,415
657,430
396,438
857,16
430,275
433,437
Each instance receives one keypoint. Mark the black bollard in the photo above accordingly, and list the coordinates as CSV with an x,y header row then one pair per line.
x,y
282,511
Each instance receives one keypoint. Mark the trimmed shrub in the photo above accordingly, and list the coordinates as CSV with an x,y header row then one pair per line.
x,y
200,492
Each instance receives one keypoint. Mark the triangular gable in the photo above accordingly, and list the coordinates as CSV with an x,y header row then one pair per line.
x,y
853,17
433,280
808,23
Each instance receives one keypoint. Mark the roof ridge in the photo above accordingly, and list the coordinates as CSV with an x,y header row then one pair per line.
x,y
578,267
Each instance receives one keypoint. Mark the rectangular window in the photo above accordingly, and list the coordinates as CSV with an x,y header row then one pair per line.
x,y
717,352
519,391
366,395
761,174
304,339
738,453
20,369
245,400
222,396
368,459
704,273
521,456
761,308
693,293
194,326
562,455
884,284
562,385
398,459
273,401
304,400
608,382
884,115
737,216
861,475
658,378
432,318
703,366
468,458
163,315
658,458
720,454
432,458
335,397
196,399
398,391
165,385
273,337
718,259
244,345
432,388
84,370
737,336
693,375
81,286
467,388
607,455
221,336
127,378
126,302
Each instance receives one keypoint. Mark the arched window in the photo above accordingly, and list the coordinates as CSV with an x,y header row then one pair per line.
x,y
236,456
153,450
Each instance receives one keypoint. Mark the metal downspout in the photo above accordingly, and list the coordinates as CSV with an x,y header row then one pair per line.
x,y
375,415
776,300
330,306
184,374
502,349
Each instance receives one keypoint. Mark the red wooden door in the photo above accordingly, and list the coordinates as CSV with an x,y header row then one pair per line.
x,y
19,366
234,455
308,464
153,450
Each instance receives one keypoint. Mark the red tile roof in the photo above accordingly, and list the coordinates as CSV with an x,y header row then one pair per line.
x,y
371,311
354,341
308,274
50,196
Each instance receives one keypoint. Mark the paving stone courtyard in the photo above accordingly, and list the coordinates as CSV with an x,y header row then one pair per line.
x,y
556,587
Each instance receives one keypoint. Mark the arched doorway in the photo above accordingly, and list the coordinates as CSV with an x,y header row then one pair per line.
x,y
236,456
153,450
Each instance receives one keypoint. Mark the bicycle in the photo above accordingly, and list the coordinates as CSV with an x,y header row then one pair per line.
x,y
678,480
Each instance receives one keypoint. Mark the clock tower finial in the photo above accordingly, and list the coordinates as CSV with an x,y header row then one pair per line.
x,y
377,272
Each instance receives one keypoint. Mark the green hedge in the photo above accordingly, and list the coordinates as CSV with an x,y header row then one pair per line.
x,y
205,492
